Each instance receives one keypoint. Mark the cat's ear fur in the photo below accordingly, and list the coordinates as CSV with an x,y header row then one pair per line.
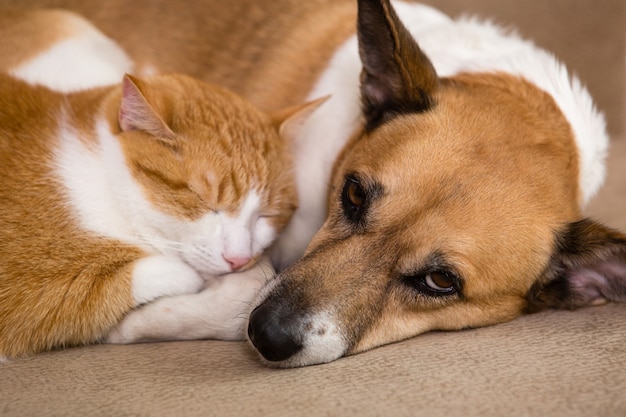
x,y
136,113
588,267
289,121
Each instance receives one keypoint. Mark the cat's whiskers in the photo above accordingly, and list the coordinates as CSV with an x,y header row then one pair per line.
x,y
161,244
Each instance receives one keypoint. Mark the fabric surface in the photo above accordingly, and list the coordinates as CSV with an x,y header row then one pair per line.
x,y
556,363
548,364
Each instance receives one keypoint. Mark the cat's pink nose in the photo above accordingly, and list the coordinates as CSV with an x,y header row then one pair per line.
x,y
237,262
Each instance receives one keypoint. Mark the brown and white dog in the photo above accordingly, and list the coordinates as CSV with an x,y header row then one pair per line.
x,y
446,179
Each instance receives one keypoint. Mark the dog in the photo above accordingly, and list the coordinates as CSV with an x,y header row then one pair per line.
x,y
441,186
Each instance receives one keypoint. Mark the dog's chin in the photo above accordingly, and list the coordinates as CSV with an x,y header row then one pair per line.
x,y
301,359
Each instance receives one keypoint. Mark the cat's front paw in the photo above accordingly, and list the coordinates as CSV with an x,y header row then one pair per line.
x,y
159,276
119,335
219,311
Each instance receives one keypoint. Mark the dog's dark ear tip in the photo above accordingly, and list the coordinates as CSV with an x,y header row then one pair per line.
x,y
397,77
543,296
588,267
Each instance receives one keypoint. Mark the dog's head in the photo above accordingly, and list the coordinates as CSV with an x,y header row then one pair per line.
x,y
457,207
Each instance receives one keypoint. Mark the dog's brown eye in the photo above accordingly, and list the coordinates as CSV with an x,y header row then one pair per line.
x,y
434,283
440,282
353,199
355,194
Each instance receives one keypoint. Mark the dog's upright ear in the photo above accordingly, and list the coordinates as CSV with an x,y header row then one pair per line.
x,y
588,267
397,77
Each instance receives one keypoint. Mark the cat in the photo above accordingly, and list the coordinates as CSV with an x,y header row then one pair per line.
x,y
113,197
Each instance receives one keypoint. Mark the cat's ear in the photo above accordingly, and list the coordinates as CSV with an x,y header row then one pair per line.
x,y
588,267
136,113
289,121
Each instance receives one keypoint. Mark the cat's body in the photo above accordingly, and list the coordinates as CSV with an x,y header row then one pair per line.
x,y
59,49
114,197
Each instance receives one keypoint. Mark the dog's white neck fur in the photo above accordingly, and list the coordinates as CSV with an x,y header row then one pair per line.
x,y
454,46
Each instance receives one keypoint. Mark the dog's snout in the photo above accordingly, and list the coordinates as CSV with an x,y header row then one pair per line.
x,y
271,335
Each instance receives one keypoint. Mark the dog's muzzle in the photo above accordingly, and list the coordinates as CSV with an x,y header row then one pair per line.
x,y
288,331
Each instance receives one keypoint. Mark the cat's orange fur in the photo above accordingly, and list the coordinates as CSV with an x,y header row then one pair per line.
x,y
25,34
61,285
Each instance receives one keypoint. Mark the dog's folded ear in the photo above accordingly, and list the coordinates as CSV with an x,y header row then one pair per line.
x,y
397,77
588,267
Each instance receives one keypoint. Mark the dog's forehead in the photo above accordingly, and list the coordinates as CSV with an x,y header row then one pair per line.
x,y
483,130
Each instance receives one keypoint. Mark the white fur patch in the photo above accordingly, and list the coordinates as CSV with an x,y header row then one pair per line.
x,y
158,276
241,235
323,343
84,61
88,188
320,140
466,45
239,229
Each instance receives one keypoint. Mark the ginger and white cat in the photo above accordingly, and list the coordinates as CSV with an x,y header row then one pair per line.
x,y
113,197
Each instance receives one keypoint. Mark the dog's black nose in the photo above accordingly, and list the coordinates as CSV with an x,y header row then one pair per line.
x,y
269,333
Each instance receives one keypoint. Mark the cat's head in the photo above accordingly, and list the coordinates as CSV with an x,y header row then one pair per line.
x,y
218,169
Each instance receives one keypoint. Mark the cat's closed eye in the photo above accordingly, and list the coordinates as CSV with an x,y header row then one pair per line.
x,y
172,194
